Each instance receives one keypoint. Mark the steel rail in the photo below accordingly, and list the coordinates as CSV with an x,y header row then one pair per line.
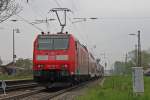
x,y
53,95
22,95
45,97
17,84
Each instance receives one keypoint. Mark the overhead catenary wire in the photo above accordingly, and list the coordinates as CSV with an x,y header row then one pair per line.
x,y
57,3
124,18
29,23
74,5
40,14
33,10
70,20
86,38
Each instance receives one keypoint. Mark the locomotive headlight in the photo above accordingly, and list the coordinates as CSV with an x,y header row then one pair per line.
x,y
62,57
42,57
40,66
64,66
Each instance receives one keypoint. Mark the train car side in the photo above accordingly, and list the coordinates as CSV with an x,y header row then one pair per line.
x,y
82,62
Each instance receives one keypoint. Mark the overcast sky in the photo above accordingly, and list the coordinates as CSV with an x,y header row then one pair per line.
x,y
116,19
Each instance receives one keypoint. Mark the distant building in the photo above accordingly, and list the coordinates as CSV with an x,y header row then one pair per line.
x,y
8,69
147,72
3,70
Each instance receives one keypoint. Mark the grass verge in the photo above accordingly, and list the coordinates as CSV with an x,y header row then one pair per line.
x,y
16,77
116,88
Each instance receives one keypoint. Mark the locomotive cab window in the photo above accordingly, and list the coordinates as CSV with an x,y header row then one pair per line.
x,y
53,43
60,43
45,44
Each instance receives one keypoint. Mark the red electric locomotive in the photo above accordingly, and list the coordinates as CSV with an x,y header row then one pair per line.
x,y
61,58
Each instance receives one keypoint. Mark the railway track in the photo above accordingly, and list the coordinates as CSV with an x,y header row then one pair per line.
x,y
17,84
53,95
42,93
22,94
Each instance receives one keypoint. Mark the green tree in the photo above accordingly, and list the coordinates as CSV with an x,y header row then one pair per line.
x,y
145,58
125,67
27,63
24,63
119,67
19,62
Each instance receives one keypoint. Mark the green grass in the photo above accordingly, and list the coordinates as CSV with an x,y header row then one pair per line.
x,y
15,77
116,88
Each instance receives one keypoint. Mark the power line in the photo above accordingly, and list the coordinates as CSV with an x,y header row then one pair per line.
x,y
42,21
70,19
57,3
36,7
125,18
74,5
79,32
35,13
64,10
46,21
29,23
85,36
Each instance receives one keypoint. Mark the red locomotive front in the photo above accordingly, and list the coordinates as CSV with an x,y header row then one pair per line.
x,y
54,57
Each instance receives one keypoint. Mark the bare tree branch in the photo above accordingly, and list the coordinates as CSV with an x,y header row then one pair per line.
x,y
8,8
3,4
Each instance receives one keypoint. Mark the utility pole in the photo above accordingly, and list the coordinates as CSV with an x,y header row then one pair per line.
x,y
136,55
137,72
126,59
17,31
139,50
14,56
